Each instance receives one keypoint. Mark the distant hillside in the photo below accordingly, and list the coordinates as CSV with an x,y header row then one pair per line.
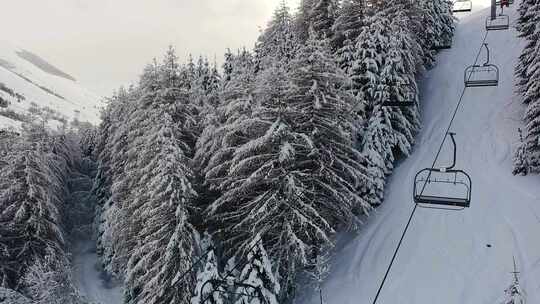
x,y
43,65
29,84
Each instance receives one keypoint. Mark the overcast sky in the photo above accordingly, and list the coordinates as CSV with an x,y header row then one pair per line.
x,y
106,43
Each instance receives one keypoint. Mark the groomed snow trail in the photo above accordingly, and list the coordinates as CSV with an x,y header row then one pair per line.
x,y
91,281
445,257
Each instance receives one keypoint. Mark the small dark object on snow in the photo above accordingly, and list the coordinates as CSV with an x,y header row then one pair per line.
x,y
488,245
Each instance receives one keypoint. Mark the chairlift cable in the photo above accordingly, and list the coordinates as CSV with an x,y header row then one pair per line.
x,y
413,212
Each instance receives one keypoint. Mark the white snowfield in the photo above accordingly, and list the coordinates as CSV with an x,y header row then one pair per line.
x,y
445,257
89,279
76,102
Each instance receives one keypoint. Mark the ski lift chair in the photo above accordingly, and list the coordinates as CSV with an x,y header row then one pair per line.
x,y
500,22
497,22
484,75
443,188
462,6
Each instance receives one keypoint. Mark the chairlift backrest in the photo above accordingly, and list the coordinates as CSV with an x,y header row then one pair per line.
x,y
462,6
497,22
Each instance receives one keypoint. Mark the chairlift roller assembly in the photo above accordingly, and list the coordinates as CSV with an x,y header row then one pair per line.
x,y
462,6
485,75
497,22
443,188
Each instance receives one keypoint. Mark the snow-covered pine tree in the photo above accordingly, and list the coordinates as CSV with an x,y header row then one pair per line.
x,y
523,11
258,274
207,291
322,18
302,19
514,294
531,32
347,27
532,118
520,161
384,70
32,190
408,14
295,164
159,212
438,21
217,139
277,41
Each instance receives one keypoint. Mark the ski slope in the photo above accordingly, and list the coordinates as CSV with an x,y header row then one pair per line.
x,y
92,282
445,257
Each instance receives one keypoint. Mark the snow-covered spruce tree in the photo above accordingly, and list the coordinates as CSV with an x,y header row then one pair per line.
x,y
302,19
438,21
408,14
523,11
316,17
32,191
159,212
296,176
531,32
111,185
348,25
259,275
520,161
206,290
277,41
322,18
532,119
217,139
384,70
514,294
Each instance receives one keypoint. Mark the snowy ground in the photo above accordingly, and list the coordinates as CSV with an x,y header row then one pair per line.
x,y
92,283
445,258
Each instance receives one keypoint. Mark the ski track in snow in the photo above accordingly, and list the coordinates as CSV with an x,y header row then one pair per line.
x,y
92,283
444,257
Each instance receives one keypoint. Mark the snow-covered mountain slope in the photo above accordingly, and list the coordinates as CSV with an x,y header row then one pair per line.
x,y
27,81
450,257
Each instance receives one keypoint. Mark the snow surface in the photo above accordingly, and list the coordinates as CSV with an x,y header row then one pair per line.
x,y
445,257
77,102
90,280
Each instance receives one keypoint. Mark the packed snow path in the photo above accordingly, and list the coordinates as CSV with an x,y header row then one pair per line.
x,y
450,257
91,281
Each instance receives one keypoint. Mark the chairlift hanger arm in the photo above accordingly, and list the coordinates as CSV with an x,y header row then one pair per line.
x,y
487,50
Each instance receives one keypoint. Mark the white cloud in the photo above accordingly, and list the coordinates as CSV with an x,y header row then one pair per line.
x,y
105,43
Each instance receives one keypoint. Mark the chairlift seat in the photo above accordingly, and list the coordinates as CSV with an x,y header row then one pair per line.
x,y
501,22
462,6
457,179
486,75
445,201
